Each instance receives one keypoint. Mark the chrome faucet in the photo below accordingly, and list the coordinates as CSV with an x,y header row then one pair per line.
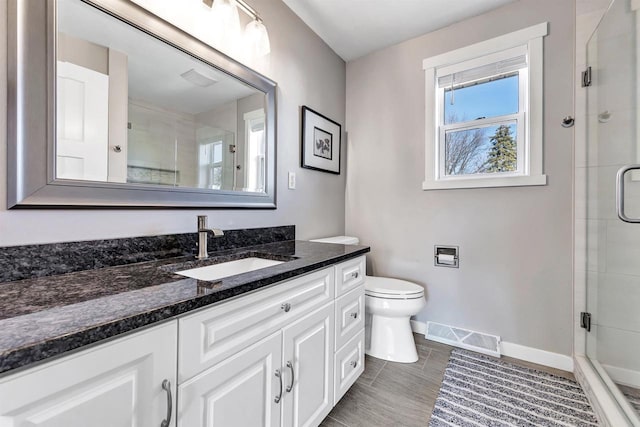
x,y
203,232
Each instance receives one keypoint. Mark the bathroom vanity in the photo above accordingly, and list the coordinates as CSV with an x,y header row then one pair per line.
x,y
275,346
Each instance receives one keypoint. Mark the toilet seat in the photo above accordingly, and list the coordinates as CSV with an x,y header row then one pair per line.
x,y
388,288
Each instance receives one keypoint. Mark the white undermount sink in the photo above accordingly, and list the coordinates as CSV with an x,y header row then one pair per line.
x,y
229,268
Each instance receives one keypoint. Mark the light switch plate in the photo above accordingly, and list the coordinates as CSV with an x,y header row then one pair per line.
x,y
292,181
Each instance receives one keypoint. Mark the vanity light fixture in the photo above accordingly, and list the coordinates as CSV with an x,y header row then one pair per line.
x,y
255,39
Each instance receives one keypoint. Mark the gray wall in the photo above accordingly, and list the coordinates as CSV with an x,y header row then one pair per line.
x,y
307,71
515,275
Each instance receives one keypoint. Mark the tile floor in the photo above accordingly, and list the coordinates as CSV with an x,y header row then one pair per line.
x,y
397,394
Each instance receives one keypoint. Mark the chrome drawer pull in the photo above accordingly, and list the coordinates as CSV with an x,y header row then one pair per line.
x,y
286,307
354,363
278,397
354,314
355,274
293,377
166,386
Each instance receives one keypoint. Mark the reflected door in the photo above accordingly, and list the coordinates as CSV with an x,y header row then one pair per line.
x,y
82,123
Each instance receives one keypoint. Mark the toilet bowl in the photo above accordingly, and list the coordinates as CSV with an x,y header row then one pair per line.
x,y
389,305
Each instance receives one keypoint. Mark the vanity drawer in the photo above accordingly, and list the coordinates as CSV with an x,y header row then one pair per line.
x,y
349,315
213,334
349,364
349,275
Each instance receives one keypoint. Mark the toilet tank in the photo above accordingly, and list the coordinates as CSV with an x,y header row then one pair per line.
x,y
341,240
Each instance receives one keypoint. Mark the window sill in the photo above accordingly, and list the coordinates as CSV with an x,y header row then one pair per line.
x,y
512,181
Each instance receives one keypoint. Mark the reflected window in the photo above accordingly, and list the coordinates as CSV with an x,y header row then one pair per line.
x,y
210,167
255,143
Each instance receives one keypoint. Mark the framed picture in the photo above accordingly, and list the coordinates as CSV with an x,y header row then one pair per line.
x,y
320,142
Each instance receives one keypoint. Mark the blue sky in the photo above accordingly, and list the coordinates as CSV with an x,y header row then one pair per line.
x,y
484,100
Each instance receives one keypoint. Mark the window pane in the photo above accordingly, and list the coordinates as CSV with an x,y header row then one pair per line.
x,y
490,149
217,152
481,100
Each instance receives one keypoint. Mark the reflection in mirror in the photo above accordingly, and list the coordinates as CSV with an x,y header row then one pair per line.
x,y
133,109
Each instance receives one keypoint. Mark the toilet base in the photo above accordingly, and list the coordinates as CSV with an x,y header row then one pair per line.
x,y
390,338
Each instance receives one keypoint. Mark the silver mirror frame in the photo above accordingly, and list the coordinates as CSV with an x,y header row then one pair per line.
x,y
31,92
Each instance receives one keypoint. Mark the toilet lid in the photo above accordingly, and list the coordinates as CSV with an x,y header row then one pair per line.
x,y
387,287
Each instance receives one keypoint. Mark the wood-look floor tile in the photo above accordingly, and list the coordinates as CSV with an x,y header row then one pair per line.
x,y
421,340
372,367
406,382
365,406
330,422
435,365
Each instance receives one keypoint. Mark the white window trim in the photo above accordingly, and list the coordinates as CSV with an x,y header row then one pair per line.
x,y
531,172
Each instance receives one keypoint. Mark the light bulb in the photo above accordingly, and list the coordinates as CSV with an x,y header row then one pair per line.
x,y
226,25
256,39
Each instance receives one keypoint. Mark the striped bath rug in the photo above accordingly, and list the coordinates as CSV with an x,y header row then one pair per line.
x,y
478,390
634,400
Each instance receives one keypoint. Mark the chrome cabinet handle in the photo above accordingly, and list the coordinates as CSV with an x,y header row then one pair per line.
x,y
354,314
286,307
354,363
293,377
355,274
166,386
278,397
620,193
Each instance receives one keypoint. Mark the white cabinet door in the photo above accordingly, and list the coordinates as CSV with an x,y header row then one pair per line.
x,y
308,368
240,391
116,384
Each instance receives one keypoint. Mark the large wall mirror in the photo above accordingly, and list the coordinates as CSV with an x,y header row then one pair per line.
x,y
111,106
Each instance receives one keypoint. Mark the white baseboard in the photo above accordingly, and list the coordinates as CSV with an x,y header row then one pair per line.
x,y
418,327
517,351
535,355
623,376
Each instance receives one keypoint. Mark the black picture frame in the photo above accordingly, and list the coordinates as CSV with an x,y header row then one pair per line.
x,y
321,140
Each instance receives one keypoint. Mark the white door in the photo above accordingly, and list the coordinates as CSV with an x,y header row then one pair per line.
x,y
308,367
82,123
118,384
241,391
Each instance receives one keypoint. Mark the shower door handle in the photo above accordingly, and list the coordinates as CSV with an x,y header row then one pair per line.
x,y
620,193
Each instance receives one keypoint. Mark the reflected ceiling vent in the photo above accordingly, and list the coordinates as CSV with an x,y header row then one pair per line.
x,y
198,79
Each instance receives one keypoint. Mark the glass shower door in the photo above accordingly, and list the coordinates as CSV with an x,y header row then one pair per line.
x,y
613,204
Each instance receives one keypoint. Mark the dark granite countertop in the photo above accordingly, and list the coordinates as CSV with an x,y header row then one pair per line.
x,y
46,316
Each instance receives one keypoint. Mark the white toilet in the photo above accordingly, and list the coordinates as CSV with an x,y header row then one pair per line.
x,y
389,305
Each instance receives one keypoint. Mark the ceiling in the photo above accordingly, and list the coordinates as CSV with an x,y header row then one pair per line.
x,y
354,28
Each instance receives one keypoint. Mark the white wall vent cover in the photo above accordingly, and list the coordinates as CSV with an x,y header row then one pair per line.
x,y
458,337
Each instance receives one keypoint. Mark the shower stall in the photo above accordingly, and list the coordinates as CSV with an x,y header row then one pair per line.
x,y
609,363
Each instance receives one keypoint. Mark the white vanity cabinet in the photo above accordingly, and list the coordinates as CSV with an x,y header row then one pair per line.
x,y
116,384
276,357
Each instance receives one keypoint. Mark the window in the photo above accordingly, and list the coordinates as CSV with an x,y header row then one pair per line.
x,y
484,113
